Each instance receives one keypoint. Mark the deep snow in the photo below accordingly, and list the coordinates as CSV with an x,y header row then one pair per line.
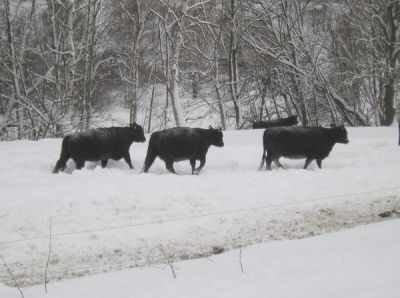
x,y
109,219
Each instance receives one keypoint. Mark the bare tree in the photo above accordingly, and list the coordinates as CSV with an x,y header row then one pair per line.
x,y
205,38
365,37
233,58
14,66
173,42
132,19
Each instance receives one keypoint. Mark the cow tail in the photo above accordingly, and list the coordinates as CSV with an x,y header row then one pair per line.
x,y
64,156
263,158
150,156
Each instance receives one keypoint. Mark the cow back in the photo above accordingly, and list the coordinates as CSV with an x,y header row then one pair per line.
x,y
180,143
289,121
299,142
103,143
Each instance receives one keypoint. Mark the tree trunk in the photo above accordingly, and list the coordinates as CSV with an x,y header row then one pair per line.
x,y
393,26
71,62
151,107
263,93
14,69
92,12
135,57
165,64
195,85
234,70
134,84
86,84
388,103
177,45
217,86
399,131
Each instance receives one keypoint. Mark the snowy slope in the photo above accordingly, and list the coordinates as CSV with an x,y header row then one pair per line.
x,y
109,219
359,263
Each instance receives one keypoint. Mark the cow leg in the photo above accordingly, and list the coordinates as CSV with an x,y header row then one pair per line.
x,y
104,163
276,161
262,161
79,163
269,161
169,164
193,165
127,158
150,157
319,163
308,161
202,164
60,165
62,161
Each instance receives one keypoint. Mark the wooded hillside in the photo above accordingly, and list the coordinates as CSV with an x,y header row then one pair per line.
x,y
63,63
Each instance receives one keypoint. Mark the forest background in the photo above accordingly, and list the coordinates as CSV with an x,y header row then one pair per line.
x,y
65,65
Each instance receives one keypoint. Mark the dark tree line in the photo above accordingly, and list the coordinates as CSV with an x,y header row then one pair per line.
x,y
65,64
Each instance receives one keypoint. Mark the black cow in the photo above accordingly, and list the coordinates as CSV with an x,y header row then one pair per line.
x,y
289,121
182,143
301,142
99,144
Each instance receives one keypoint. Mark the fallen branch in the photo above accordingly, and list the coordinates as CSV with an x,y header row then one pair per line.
x,y
169,262
240,260
47,263
12,276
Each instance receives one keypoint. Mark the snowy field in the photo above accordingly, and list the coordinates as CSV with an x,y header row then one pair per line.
x,y
111,219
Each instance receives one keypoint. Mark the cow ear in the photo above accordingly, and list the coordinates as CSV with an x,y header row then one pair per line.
x,y
333,125
210,127
220,128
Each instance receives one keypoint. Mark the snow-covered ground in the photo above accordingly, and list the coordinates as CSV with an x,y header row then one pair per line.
x,y
110,219
358,263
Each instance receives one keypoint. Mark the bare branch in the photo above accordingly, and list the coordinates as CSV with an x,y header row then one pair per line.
x,y
197,4
12,276
169,262
240,260
47,263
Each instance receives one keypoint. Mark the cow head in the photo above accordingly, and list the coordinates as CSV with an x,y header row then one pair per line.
x,y
341,134
137,133
216,137
293,120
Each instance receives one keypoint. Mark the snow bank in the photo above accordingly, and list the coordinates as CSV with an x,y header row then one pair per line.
x,y
360,263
